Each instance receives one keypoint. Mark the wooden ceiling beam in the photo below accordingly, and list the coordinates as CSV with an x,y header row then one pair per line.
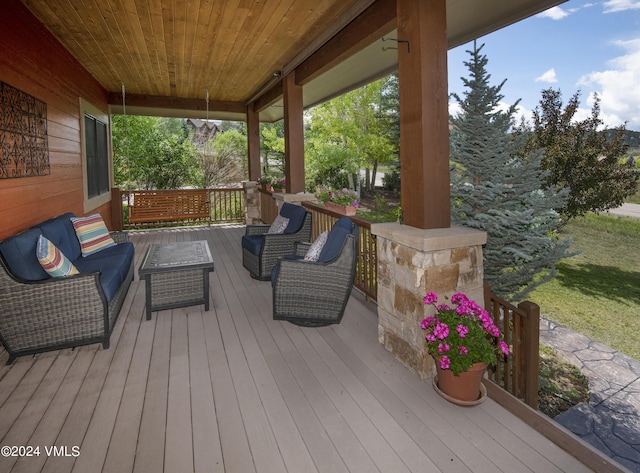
x,y
353,12
371,25
269,97
154,101
374,21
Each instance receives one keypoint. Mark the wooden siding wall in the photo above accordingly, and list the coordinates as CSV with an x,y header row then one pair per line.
x,y
32,60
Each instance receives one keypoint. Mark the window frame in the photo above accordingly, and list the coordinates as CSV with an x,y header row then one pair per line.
x,y
92,203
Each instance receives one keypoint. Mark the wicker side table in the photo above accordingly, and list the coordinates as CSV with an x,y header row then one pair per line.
x,y
176,275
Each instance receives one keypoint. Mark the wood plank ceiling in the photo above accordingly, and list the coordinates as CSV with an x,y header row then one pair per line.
x,y
180,49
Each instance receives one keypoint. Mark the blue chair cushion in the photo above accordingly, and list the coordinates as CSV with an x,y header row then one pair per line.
x,y
60,232
334,244
338,234
252,243
295,214
19,251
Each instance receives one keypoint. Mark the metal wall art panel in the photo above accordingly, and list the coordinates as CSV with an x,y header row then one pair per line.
x,y
24,148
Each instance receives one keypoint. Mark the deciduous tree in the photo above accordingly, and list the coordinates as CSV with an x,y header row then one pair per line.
x,y
581,155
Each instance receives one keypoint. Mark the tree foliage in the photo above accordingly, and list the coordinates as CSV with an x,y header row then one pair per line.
x,y
272,148
496,191
223,161
152,153
346,135
581,155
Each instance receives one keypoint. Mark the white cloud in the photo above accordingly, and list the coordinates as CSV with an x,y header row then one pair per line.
x,y
618,87
612,6
555,13
549,77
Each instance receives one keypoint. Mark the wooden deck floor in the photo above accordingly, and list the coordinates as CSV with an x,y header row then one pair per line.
x,y
232,390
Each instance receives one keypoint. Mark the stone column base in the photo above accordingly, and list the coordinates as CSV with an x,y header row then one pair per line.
x,y
411,262
251,203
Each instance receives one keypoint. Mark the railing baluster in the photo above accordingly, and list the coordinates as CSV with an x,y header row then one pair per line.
x,y
517,373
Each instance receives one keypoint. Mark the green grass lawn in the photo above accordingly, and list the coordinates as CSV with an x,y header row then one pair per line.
x,y
597,293
634,199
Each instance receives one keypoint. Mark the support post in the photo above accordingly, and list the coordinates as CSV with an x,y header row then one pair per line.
x,y
253,145
531,351
424,113
117,220
293,135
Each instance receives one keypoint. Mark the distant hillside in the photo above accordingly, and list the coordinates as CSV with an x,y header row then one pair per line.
x,y
632,138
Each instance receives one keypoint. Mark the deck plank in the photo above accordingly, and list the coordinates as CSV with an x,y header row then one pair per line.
x,y
294,453
232,390
207,452
179,457
151,441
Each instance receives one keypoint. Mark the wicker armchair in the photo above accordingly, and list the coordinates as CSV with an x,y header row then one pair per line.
x,y
315,294
261,250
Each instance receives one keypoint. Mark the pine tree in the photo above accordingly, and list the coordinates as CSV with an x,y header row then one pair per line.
x,y
499,189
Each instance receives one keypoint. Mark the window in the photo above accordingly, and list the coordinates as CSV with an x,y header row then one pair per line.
x,y
96,156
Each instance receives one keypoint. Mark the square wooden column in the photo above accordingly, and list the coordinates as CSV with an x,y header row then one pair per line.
x,y
253,145
424,113
293,134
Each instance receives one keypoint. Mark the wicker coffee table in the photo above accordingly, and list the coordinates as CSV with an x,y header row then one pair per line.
x,y
176,275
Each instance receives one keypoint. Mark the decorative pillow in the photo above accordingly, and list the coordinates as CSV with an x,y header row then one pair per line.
x,y
279,225
313,253
52,260
92,234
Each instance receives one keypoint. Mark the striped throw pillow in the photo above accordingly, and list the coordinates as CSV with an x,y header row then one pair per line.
x,y
52,260
92,234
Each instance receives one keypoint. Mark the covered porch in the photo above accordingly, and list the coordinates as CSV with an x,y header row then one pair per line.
x,y
232,390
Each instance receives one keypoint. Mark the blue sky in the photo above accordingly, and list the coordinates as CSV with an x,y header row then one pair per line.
x,y
591,46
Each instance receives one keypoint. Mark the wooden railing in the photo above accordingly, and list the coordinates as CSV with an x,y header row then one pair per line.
x,y
154,208
367,264
518,372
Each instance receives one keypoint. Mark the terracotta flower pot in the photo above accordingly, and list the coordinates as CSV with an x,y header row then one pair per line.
x,y
465,389
348,210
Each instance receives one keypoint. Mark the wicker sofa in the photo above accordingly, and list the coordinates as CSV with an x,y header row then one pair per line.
x,y
41,313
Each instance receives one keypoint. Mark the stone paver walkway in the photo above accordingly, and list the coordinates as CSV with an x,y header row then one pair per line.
x,y
611,420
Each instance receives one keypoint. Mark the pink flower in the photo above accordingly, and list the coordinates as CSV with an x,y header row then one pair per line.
x,y
462,330
441,330
463,350
443,348
430,337
427,322
431,298
504,347
445,363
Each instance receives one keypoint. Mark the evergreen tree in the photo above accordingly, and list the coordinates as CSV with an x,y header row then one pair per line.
x,y
496,191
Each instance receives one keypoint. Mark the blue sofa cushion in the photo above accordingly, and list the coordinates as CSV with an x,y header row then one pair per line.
x,y
118,257
19,251
295,214
60,232
338,234
113,264
252,243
